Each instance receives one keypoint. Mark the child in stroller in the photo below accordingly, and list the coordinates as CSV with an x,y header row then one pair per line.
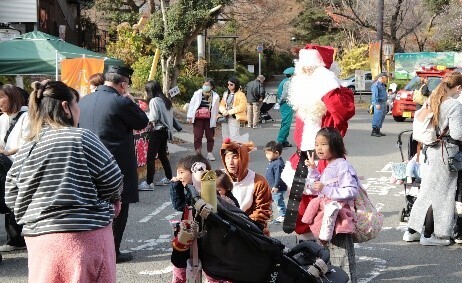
x,y
268,103
408,173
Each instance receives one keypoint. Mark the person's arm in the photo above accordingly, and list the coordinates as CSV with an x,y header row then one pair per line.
x,y
345,189
285,91
192,109
455,127
222,106
103,168
262,201
177,125
240,104
131,114
177,195
375,93
277,169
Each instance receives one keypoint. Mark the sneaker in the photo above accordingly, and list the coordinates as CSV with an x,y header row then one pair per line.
x,y
433,241
408,237
286,144
163,182
145,187
124,257
458,240
9,248
210,156
278,220
256,127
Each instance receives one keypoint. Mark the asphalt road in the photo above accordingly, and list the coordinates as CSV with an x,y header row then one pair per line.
x,y
385,259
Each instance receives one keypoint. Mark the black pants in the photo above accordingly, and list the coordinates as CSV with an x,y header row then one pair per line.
x,y
13,231
118,226
157,146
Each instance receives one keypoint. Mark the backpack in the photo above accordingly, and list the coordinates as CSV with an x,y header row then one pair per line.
x,y
369,221
423,130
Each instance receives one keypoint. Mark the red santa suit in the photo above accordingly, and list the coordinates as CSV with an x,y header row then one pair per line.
x,y
319,101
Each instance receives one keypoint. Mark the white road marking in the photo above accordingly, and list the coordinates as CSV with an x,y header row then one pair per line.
x,y
149,245
166,270
387,168
378,186
155,212
379,266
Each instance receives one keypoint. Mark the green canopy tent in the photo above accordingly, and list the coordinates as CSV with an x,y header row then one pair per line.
x,y
38,53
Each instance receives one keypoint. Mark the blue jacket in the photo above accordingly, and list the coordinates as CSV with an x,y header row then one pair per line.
x,y
273,174
379,93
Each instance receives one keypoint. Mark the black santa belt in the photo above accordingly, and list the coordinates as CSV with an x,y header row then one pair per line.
x,y
296,191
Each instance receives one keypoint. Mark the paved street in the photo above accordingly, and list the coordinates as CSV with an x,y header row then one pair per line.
x,y
385,259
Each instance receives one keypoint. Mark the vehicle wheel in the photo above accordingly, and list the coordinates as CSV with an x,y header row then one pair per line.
x,y
399,118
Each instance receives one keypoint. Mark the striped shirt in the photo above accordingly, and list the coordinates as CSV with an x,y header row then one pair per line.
x,y
66,184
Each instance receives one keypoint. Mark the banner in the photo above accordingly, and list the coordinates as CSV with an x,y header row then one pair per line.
x,y
374,58
76,72
407,63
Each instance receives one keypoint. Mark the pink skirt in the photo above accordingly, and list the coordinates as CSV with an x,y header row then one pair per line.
x,y
87,256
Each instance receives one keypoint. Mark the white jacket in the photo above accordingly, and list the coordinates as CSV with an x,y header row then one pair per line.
x,y
19,133
196,102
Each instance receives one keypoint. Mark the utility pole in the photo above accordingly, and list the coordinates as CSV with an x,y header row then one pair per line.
x,y
380,8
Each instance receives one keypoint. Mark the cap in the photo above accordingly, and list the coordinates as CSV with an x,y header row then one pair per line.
x,y
382,74
289,71
123,71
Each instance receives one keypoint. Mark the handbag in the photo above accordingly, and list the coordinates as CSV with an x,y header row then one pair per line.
x,y
455,162
203,113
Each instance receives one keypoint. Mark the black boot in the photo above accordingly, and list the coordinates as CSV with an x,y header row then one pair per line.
x,y
375,132
380,133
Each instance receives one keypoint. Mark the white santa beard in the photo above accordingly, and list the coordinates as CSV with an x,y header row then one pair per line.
x,y
305,96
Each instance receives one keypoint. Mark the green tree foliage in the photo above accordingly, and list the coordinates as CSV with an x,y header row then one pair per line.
x,y
130,45
436,6
174,28
355,58
314,25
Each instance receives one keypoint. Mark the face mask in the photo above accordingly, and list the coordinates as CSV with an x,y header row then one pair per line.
x,y
206,88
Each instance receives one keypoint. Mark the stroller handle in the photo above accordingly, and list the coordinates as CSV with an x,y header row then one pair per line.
x,y
311,247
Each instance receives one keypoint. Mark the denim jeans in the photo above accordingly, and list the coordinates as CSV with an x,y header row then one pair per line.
x,y
278,198
379,115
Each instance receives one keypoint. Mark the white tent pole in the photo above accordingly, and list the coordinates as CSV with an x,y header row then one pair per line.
x,y
56,59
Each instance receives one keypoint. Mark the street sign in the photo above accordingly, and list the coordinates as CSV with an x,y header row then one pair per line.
x,y
360,80
251,68
174,91
260,48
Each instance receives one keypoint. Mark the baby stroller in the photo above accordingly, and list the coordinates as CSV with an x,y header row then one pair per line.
x,y
410,189
234,248
268,103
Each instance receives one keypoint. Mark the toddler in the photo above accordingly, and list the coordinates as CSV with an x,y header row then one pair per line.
x,y
273,151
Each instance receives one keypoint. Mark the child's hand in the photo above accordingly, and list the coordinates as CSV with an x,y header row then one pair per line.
x,y
175,179
274,190
310,161
317,186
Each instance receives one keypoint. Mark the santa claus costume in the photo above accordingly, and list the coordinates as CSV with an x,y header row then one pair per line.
x,y
319,101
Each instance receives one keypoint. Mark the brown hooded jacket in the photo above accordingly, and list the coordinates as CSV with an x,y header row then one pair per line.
x,y
260,210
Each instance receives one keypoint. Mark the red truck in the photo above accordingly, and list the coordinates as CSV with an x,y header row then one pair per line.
x,y
403,106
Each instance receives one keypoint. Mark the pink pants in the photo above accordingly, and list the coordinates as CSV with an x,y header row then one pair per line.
x,y
179,276
73,257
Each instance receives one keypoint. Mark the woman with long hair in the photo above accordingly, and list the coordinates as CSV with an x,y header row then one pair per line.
x,y
233,107
14,128
434,208
64,187
202,113
161,117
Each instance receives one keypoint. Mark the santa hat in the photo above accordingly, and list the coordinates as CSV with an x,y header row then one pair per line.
x,y
309,58
326,53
